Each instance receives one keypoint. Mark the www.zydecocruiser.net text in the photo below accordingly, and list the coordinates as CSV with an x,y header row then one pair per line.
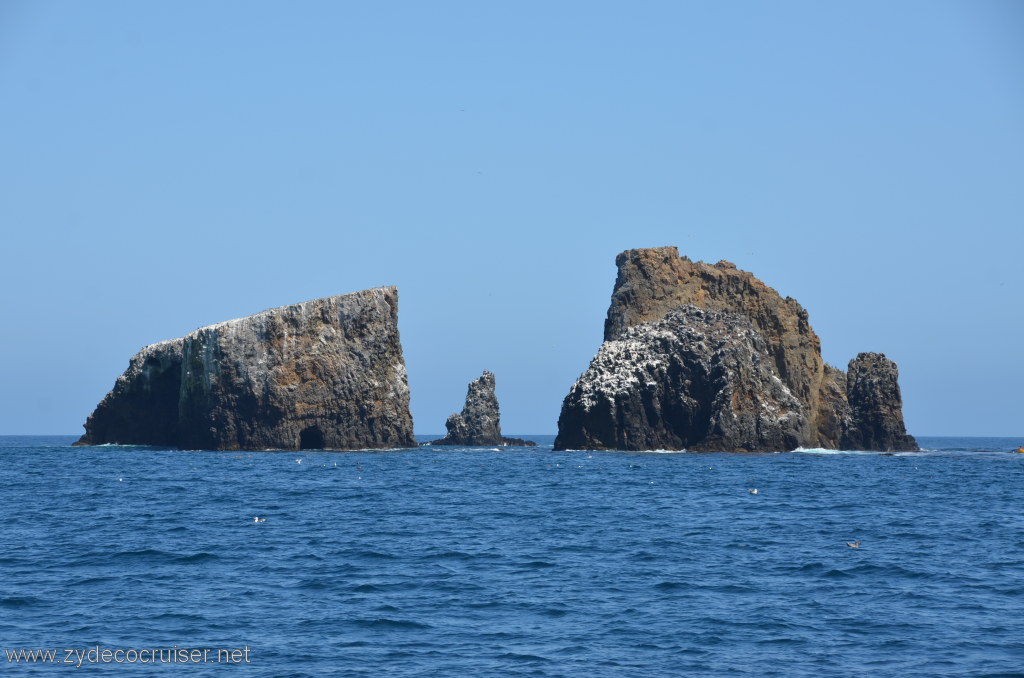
x,y
79,656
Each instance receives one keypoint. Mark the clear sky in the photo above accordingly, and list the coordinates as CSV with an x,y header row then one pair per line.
x,y
167,165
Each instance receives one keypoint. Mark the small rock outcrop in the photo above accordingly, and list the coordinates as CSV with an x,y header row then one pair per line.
x,y
479,424
323,374
708,357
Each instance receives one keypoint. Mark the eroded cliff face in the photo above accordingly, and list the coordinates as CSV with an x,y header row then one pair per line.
x,y
695,379
323,374
654,282
479,423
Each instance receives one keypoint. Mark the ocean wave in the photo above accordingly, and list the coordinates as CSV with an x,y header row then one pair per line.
x,y
17,602
518,657
384,623
193,558
824,450
663,451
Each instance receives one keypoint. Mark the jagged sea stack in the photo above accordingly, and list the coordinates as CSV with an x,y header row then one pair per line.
x,y
323,374
479,424
873,391
706,357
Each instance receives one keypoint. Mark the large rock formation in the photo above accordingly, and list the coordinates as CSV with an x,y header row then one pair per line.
x,y
671,377
695,379
479,424
323,374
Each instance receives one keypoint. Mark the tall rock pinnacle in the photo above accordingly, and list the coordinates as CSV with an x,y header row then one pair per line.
x,y
479,424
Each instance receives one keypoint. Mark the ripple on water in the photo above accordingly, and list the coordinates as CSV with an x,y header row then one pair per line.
x,y
532,564
15,602
195,558
386,624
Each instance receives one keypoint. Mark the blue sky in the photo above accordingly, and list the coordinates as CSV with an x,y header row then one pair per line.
x,y
167,165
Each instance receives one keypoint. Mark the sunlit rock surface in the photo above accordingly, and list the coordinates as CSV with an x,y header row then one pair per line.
x,y
323,374
654,283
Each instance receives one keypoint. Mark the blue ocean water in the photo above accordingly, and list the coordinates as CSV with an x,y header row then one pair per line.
x,y
518,562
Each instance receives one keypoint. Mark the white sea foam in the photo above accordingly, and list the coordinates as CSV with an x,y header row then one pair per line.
x,y
664,451
822,450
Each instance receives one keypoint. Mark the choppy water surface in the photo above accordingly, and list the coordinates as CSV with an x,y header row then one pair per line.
x,y
516,562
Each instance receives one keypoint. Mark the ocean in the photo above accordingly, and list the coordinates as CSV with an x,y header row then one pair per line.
x,y
512,562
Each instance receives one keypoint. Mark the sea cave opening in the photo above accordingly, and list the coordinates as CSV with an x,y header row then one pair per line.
x,y
311,438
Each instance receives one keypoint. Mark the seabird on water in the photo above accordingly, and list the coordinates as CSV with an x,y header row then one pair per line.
x,y
853,544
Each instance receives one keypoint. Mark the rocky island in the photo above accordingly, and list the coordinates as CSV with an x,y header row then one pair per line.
x,y
323,374
707,357
479,424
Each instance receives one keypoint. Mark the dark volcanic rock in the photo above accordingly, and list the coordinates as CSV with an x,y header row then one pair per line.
x,y
876,406
653,282
479,424
696,379
327,373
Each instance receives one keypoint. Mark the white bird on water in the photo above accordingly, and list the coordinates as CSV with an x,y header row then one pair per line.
x,y
257,519
853,544
752,490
